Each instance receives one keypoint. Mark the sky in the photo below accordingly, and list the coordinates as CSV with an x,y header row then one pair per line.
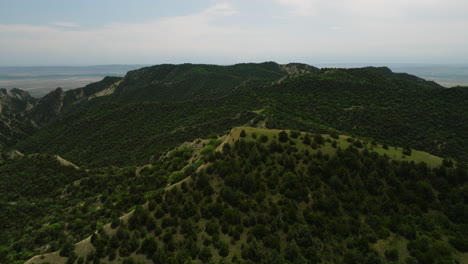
x,y
98,32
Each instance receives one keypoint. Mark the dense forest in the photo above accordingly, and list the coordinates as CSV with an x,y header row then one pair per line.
x,y
249,163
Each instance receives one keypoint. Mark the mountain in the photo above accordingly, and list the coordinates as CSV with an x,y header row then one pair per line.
x,y
248,163
156,108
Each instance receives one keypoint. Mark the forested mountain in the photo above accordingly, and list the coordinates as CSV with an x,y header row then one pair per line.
x,y
154,109
376,175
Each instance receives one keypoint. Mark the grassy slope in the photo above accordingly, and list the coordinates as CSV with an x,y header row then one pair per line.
x,y
395,153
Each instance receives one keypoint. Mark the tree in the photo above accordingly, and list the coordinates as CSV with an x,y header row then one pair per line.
x,y
205,254
252,251
72,257
295,134
223,249
67,248
149,246
357,144
406,151
391,254
318,138
115,223
243,134
283,136
159,257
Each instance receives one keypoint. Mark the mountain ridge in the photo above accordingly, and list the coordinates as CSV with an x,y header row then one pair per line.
x,y
345,96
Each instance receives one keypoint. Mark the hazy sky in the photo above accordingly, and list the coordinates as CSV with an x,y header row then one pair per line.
x,y
90,32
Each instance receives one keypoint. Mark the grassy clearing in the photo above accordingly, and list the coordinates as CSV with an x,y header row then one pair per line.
x,y
393,242
343,141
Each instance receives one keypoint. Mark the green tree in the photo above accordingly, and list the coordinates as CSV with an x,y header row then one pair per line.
x,y
283,136
243,134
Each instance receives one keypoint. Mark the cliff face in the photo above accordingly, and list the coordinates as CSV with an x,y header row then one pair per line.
x,y
56,102
14,106
21,114
15,101
48,107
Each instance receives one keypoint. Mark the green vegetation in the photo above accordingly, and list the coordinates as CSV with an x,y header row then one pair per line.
x,y
286,202
155,109
312,166
57,205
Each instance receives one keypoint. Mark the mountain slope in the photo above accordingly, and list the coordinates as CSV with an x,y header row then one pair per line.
x,y
47,201
273,196
189,81
49,107
391,110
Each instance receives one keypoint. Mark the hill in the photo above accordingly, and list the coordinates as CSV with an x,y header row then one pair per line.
x,y
275,196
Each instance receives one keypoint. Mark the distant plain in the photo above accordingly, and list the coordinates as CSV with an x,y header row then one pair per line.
x,y
39,80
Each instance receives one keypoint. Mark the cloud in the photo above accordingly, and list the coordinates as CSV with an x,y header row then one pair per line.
x,y
300,7
340,30
66,24
159,38
220,9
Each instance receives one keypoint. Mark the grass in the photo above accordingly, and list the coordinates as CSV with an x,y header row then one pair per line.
x,y
393,242
395,153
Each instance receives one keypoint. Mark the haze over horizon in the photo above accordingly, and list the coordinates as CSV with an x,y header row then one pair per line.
x,y
227,32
